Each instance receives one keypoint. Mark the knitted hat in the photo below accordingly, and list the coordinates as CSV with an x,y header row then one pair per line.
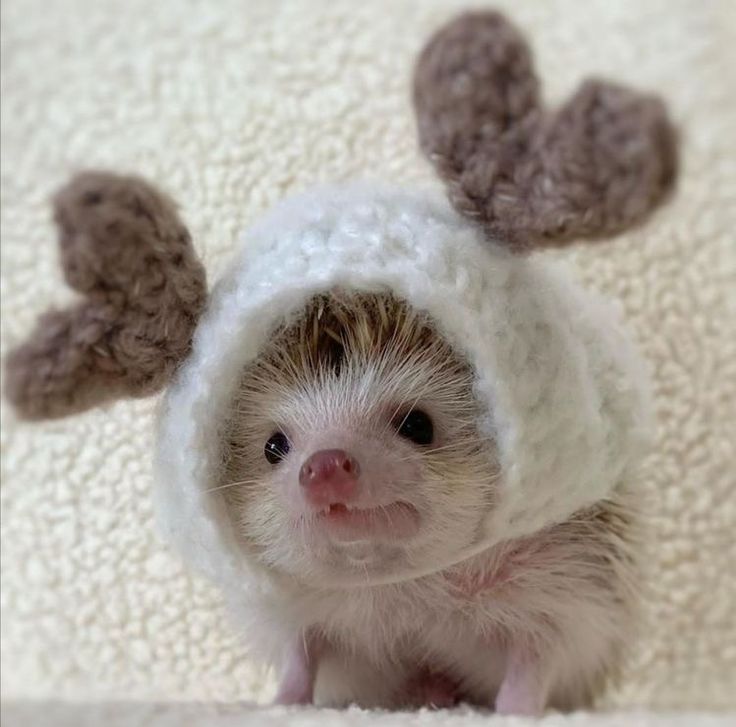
x,y
561,387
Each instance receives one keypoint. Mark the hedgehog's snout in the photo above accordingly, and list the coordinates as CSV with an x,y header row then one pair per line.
x,y
330,477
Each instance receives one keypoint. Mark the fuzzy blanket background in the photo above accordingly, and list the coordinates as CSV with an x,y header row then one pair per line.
x,y
230,105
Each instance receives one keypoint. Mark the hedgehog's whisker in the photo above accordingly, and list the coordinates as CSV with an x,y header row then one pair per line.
x,y
233,484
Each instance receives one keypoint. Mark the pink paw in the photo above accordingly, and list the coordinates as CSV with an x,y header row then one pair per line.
x,y
520,698
293,694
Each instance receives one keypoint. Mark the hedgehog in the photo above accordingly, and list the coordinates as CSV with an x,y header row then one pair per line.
x,y
353,448
397,435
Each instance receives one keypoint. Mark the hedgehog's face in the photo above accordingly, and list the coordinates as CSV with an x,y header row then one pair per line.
x,y
354,453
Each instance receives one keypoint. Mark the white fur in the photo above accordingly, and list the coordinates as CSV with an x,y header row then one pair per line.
x,y
559,381
563,595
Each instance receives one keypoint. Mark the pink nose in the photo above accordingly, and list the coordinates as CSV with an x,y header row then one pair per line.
x,y
329,476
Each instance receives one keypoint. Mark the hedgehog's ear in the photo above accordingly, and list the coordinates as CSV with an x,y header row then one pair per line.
x,y
596,167
124,248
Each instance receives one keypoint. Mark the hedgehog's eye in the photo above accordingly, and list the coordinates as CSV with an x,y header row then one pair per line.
x,y
277,447
416,426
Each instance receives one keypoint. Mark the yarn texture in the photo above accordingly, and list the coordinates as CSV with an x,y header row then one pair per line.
x,y
124,248
533,178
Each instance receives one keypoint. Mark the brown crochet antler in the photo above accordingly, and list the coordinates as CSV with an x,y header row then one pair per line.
x,y
125,249
595,168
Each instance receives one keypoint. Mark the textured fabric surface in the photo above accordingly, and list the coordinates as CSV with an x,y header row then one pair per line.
x,y
113,714
231,105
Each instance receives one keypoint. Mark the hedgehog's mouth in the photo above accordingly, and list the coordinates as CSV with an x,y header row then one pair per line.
x,y
346,523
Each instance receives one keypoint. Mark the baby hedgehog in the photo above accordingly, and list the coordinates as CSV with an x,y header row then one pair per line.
x,y
355,461
396,435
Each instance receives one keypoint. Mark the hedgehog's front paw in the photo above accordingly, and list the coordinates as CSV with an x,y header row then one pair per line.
x,y
524,687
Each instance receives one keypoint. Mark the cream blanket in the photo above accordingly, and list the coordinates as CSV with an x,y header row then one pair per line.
x,y
230,105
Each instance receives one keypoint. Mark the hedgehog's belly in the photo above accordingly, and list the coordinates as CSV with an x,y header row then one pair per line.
x,y
409,645
464,638
390,686
563,596
430,669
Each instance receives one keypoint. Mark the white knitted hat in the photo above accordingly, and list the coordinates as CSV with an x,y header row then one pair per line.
x,y
562,387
